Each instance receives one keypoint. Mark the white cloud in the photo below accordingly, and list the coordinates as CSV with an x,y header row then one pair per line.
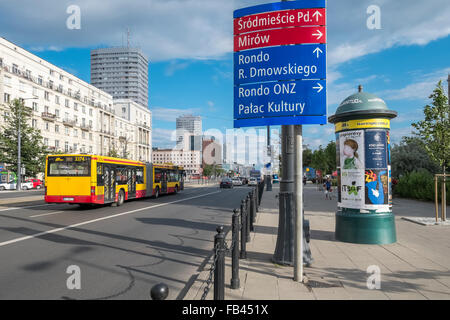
x,y
171,114
163,138
202,29
419,90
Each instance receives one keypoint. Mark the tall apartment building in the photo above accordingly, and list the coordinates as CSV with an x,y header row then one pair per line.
x,y
189,132
121,72
72,115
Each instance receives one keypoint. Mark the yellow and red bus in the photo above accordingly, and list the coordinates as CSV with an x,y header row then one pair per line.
x,y
90,179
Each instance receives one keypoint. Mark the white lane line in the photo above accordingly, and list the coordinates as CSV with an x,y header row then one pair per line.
x,y
16,208
99,219
46,214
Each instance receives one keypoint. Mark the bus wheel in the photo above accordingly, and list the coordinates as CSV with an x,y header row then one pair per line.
x,y
156,192
120,198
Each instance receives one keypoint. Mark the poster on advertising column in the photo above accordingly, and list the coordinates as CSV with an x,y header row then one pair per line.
x,y
351,154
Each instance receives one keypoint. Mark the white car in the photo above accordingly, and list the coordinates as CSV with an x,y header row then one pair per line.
x,y
237,182
252,182
12,185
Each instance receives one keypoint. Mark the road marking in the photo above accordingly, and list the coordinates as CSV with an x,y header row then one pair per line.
x,y
16,208
46,214
99,219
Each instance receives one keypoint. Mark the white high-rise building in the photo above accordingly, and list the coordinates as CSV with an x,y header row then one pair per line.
x,y
189,133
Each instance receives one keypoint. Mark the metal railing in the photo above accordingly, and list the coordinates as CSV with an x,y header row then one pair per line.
x,y
243,222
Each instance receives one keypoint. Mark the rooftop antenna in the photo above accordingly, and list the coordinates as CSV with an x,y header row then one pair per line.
x,y
128,38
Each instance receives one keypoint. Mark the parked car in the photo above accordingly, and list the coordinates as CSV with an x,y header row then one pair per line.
x,y
236,182
244,180
37,183
12,185
226,183
253,182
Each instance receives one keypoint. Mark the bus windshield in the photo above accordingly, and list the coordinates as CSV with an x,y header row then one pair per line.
x,y
73,166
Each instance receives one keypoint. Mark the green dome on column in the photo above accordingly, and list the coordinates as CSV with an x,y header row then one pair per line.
x,y
362,105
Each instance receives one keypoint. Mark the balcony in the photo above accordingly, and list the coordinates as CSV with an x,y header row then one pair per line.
x,y
68,122
48,116
86,127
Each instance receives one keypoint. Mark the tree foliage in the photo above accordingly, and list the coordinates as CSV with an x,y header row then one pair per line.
x,y
433,131
410,155
33,151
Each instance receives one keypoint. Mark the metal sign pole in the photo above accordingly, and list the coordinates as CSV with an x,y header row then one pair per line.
x,y
298,256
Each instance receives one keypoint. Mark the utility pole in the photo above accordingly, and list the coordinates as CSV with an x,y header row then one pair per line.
x,y
284,250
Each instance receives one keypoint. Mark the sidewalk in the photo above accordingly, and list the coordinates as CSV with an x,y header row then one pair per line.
x,y
416,267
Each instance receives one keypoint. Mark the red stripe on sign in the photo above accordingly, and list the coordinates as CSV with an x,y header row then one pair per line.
x,y
280,19
279,37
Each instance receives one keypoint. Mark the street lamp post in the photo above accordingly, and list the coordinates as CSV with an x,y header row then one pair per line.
x,y
19,138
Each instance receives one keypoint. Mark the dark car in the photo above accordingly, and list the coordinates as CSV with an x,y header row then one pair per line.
x,y
244,180
226,183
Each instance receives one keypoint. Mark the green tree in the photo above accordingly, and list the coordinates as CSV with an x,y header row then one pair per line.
x,y
433,131
410,155
319,161
32,149
113,152
307,157
330,157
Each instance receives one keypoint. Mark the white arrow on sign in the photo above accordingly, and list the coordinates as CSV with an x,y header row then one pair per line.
x,y
316,14
318,51
320,87
319,34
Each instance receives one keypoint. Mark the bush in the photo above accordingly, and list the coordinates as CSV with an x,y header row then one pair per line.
x,y
419,185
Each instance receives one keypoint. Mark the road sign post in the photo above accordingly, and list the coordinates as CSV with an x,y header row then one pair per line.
x,y
280,79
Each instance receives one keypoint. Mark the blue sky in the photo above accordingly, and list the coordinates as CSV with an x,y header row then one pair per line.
x,y
189,44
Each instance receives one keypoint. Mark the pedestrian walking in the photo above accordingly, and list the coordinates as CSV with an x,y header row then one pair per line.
x,y
327,189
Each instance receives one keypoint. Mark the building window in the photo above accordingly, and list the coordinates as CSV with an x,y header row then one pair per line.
x,y
90,136
90,149
57,113
67,103
46,95
57,99
15,68
75,133
34,123
56,144
35,106
66,146
75,106
46,141
83,109
67,131
6,97
90,112
47,126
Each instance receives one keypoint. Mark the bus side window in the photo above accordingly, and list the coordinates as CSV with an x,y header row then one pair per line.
x,y
139,175
100,180
158,174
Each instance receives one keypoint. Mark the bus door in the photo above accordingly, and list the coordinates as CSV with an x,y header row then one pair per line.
x,y
164,181
131,183
109,179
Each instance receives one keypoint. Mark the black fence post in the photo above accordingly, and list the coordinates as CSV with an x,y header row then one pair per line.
x,y
256,197
243,231
219,270
235,252
252,210
255,205
247,216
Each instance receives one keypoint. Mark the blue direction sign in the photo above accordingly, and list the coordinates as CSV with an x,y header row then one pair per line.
x,y
299,62
280,99
279,85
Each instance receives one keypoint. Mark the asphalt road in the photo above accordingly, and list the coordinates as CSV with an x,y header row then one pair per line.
x,y
5,194
121,252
